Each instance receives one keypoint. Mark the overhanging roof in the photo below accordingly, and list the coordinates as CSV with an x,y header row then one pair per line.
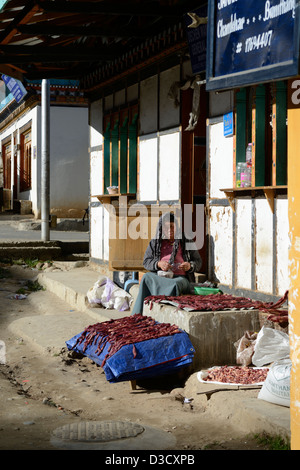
x,y
71,39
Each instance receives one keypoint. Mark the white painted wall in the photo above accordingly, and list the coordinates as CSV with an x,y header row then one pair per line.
x,y
221,243
220,222
69,167
168,113
148,105
282,245
243,243
169,166
264,249
98,216
69,164
95,146
159,142
148,167
221,160
159,166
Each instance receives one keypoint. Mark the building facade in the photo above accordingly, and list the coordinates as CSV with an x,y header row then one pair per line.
x,y
20,140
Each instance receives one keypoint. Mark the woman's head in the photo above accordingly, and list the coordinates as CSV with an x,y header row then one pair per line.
x,y
168,230
168,226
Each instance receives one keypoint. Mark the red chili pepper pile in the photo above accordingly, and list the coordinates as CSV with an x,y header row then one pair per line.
x,y
217,302
236,375
127,330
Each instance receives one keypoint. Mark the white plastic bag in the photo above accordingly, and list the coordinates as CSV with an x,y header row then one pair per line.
x,y
167,274
271,345
276,388
105,293
245,348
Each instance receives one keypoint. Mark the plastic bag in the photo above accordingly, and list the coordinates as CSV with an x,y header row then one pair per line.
x,y
245,348
105,293
167,274
276,388
271,345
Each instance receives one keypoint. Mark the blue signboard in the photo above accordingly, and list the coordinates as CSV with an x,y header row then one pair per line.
x,y
251,42
196,31
15,87
228,124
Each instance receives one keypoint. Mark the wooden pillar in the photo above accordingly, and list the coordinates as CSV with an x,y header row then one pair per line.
x,y
294,254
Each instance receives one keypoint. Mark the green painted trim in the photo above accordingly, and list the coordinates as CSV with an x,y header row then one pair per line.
x,y
281,134
133,155
241,118
106,159
121,142
260,126
123,156
115,154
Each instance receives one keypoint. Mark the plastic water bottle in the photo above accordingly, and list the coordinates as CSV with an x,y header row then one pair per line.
x,y
249,155
249,164
238,175
244,175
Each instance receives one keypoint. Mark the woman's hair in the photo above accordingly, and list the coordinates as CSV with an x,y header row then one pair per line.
x,y
168,217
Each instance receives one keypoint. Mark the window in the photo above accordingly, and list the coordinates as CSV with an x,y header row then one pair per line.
x,y
6,151
25,161
261,119
120,150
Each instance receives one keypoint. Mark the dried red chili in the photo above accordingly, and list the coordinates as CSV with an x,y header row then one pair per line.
x,y
218,302
124,331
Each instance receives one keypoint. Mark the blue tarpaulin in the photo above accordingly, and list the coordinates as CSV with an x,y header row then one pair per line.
x,y
153,357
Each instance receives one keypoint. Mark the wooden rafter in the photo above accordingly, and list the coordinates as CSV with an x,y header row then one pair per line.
x,y
22,17
87,31
113,8
59,35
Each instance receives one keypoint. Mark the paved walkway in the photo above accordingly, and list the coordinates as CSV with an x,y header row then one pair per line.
x,y
16,227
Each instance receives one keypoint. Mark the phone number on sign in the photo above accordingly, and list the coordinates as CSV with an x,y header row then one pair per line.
x,y
258,42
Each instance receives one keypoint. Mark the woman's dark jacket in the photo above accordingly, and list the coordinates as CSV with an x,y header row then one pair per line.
x,y
152,256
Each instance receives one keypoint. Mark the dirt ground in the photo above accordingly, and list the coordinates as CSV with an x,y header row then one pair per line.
x,y
44,390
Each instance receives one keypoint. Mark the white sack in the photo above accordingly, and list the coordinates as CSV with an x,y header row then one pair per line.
x,y
271,345
276,388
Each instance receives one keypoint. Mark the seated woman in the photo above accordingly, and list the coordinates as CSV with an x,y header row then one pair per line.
x,y
167,253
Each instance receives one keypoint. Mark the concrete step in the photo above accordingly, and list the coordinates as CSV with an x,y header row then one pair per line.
x,y
50,250
30,252
72,288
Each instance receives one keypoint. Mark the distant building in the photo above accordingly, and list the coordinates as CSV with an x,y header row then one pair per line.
x,y
20,143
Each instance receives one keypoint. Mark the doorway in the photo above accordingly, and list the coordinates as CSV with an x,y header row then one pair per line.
x,y
193,163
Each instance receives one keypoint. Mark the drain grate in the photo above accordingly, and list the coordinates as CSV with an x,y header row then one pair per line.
x,y
97,431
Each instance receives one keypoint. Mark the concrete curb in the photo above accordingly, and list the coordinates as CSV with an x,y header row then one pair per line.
x,y
74,293
65,225
50,250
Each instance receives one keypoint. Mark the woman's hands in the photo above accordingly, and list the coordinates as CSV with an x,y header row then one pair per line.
x,y
185,266
165,266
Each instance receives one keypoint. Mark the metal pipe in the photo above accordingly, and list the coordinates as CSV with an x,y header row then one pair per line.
x,y
45,161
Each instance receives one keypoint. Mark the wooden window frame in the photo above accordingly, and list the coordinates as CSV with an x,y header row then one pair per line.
x,y
25,161
260,118
120,149
6,159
